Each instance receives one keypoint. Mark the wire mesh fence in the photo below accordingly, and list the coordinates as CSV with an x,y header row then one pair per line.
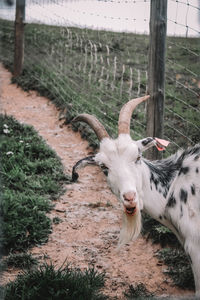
x,y
84,67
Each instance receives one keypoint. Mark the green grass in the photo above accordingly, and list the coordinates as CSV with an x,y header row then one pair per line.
x,y
32,176
47,282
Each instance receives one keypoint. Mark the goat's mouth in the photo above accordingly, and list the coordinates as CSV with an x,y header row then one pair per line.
x,y
130,211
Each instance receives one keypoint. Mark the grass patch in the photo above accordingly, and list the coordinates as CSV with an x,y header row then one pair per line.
x,y
47,282
179,268
32,176
20,260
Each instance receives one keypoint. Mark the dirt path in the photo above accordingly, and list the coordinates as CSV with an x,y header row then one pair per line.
x,y
88,233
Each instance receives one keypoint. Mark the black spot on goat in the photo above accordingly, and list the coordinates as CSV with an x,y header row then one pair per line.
x,y
184,170
183,195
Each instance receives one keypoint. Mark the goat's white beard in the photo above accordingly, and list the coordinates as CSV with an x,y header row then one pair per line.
x,y
131,228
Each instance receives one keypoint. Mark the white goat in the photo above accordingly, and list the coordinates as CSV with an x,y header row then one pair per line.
x,y
168,190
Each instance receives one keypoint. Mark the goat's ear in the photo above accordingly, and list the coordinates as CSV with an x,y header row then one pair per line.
x,y
148,142
81,164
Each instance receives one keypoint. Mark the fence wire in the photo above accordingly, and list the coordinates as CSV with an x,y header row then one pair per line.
x,y
96,71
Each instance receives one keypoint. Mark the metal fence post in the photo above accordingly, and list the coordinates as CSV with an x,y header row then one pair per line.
x,y
19,37
156,72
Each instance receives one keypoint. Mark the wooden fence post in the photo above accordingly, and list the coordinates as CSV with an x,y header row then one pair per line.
x,y
156,72
19,37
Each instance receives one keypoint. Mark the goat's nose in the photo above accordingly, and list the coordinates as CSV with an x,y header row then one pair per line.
x,y
129,196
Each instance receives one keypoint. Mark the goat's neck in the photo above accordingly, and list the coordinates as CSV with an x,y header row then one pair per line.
x,y
157,178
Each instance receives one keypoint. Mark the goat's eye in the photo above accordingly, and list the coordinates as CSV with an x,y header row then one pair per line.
x,y
138,159
104,169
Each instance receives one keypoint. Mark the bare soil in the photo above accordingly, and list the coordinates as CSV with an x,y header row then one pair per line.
x,y
90,214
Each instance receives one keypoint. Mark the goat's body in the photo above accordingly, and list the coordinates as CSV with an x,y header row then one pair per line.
x,y
171,190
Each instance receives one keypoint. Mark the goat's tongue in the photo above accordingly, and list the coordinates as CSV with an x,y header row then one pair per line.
x,y
130,210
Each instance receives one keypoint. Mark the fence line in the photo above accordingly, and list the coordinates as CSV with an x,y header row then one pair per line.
x,y
98,71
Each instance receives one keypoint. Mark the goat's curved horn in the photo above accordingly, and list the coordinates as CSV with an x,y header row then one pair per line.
x,y
89,160
126,113
91,120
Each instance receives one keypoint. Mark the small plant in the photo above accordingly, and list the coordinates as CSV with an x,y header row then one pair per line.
x,y
46,282
139,292
56,220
